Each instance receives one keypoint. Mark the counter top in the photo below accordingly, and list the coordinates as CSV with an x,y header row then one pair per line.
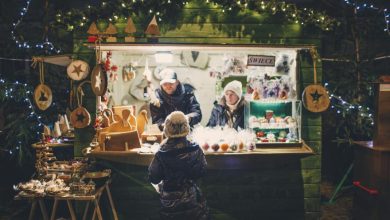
x,y
218,160
370,145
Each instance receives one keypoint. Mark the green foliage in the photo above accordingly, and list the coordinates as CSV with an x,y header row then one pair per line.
x,y
18,131
142,11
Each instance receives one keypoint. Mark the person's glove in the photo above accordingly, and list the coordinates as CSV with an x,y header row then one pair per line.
x,y
155,102
157,186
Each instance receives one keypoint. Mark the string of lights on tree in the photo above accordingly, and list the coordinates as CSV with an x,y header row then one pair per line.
x,y
364,6
19,40
21,93
163,9
341,106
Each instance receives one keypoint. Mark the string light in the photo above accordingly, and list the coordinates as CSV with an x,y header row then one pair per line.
x,y
289,10
364,6
20,93
342,106
46,44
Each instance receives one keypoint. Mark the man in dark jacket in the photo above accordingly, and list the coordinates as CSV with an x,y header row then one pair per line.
x,y
175,168
174,96
231,108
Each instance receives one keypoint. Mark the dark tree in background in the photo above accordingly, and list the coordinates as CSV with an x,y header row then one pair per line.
x,y
354,55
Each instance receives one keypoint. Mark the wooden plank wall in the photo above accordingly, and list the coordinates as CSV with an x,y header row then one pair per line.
x,y
283,190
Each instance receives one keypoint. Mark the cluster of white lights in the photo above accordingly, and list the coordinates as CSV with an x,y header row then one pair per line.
x,y
363,111
363,6
46,45
10,89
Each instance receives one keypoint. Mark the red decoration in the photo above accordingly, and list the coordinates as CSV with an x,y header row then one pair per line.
x,y
111,69
260,134
92,39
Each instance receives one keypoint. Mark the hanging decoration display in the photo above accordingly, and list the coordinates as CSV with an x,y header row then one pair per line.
x,y
78,70
80,117
42,93
315,97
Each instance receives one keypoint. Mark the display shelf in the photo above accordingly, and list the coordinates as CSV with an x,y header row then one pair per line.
x,y
276,122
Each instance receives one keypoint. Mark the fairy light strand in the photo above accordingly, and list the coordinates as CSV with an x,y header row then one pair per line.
x,y
46,44
364,6
340,106
10,89
304,16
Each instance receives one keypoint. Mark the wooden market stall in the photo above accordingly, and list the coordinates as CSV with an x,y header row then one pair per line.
x,y
269,183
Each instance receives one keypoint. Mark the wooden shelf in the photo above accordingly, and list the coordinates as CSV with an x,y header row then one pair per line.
x,y
39,145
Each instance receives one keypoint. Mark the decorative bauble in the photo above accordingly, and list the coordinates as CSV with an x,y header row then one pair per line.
x,y
205,146
43,96
215,147
224,147
260,134
233,147
241,145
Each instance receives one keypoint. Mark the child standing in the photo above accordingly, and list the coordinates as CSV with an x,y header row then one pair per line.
x,y
175,168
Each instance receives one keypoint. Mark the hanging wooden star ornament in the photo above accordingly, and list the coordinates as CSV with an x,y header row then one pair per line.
x,y
99,80
315,98
42,93
43,96
78,70
80,117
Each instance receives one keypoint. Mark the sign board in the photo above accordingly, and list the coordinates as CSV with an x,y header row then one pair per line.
x,y
385,87
261,60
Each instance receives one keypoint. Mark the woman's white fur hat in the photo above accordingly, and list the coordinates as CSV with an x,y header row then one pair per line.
x,y
234,86
176,125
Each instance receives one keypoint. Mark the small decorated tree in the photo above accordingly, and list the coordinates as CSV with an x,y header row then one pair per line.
x,y
111,30
130,29
93,32
152,30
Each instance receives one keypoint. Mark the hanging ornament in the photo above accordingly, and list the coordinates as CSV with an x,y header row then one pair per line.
x,y
80,117
78,70
315,97
43,96
99,79
128,73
